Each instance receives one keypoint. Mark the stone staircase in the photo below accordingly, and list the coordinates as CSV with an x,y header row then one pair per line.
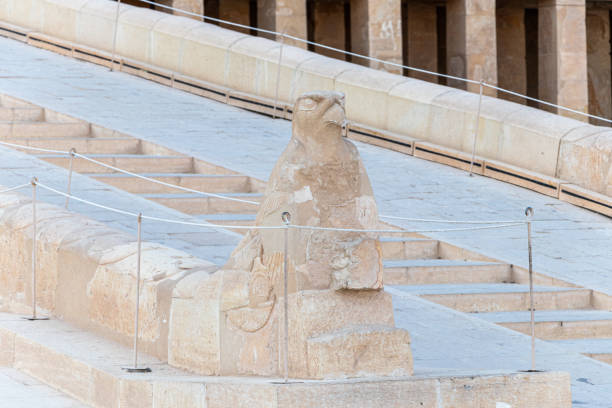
x,y
25,124
414,264
493,292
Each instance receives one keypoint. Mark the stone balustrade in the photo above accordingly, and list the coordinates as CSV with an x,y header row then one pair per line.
x,y
531,139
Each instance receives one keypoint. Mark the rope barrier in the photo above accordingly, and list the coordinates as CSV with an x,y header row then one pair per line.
x,y
261,227
404,230
16,188
393,64
38,149
392,217
84,201
529,98
119,170
163,183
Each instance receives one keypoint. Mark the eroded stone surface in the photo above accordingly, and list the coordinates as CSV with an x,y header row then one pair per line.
x,y
334,277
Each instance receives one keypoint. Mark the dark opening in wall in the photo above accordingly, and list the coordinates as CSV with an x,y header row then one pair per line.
x,y
310,23
211,9
405,58
347,29
328,22
253,16
139,3
531,54
441,31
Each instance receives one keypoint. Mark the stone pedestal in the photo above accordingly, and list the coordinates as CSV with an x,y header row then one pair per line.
x,y
511,56
471,43
288,16
376,31
563,56
421,39
339,320
598,63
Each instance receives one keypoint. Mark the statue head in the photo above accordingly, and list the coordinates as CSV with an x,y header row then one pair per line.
x,y
319,115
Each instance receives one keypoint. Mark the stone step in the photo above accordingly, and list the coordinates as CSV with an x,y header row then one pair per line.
x,y
556,324
43,130
598,349
199,204
84,145
409,248
88,368
231,219
491,297
21,114
211,183
20,390
84,366
434,271
136,163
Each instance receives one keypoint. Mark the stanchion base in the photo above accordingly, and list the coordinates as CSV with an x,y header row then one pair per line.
x,y
35,318
136,369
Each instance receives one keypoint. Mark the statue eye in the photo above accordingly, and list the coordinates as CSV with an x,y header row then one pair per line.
x,y
308,104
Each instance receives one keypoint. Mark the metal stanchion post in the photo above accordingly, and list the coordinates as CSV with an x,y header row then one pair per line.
x,y
280,60
34,181
287,220
476,126
115,35
135,368
68,187
528,214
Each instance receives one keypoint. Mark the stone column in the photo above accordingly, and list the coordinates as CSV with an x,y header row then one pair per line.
x,y
563,56
598,63
512,69
329,27
193,6
422,39
376,31
471,43
236,11
287,16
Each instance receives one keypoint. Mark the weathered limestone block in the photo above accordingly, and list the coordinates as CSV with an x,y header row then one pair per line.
x,y
283,16
194,323
16,257
511,49
112,289
365,348
563,55
598,62
376,31
471,42
86,272
231,322
345,323
588,161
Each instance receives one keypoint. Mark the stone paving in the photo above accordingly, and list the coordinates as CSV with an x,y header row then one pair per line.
x,y
473,344
18,390
570,243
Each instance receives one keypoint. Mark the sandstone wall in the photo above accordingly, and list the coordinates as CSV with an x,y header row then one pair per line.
x,y
86,273
511,133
